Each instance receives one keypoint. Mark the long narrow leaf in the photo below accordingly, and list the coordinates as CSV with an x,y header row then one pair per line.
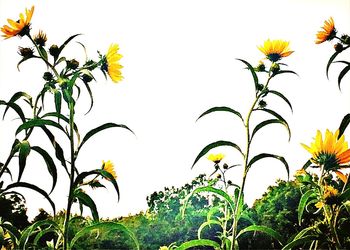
x,y
284,71
87,201
282,97
216,144
91,96
18,95
268,122
51,167
198,243
331,59
99,129
262,229
24,150
38,123
252,71
105,227
16,108
300,241
63,46
265,155
343,125
223,108
207,224
342,74
302,203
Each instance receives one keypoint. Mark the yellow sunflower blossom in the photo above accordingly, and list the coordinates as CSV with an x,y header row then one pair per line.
x,y
111,63
330,152
216,158
327,33
329,192
109,167
319,204
21,27
274,50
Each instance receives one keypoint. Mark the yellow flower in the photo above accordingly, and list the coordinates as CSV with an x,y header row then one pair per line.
x,y
111,63
330,152
319,204
164,248
21,27
329,192
276,49
216,158
109,167
300,172
328,32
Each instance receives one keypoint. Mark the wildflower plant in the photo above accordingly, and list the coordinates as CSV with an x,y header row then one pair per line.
x,y
63,80
232,194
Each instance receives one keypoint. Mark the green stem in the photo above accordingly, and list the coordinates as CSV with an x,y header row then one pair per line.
x,y
72,171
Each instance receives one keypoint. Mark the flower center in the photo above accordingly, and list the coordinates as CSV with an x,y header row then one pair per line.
x,y
274,57
329,161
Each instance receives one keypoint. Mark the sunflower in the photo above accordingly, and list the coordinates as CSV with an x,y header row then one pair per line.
x,y
21,27
216,158
332,152
328,32
276,49
111,63
109,167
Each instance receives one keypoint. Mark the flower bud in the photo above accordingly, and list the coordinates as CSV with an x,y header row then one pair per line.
x,y
86,78
338,47
90,65
262,104
346,39
72,64
40,39
260,67
47,76
25,52
275,67
229,182
218,176
54,50
225,166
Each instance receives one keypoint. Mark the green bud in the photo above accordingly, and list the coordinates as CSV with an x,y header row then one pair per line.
x,y
48,76
25,52
54,50
262,104
338,47
275,67
86,78
72,64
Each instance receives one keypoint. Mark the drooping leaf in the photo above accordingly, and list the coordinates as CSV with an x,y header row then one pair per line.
x,y
43,52
51,167
24,150
99,129
268,122
284,72
39,123
263,229
12,230
43,232
205,224
331,59
216,144
58,101
343,72
225,109
252,71
307,164
300,241
17,96
302,203
86,200
107,226
343,125
198,243
64,45
266,155
25,59
345,196
15,107
282,97
35,188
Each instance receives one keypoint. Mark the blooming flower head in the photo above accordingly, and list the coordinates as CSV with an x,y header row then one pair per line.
x,y
111,63
164,248
276,49
109,167
327,33
216,158
329,192
319,204
330,152
20,27
300,172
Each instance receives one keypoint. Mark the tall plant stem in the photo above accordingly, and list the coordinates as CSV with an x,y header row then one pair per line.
x,y
237,211
72,171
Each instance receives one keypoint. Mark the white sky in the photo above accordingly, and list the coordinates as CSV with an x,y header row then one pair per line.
x,y
179,60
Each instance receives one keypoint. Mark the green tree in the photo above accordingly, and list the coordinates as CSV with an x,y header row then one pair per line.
x,y
13,209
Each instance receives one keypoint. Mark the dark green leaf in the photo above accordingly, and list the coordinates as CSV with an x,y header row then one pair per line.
x,y
345,196
64,45
282,97
91,96
300,241
198,243
302,203
270,121
307,164
87,201
25,59
105,227
265,155
207,224
283,72
18,95
38,123
252,71
58,101
51,167
225,109
99,129
24,150
13,231
342,74
343,125
33,187
15,107
331,59
43,52
262,229
215,145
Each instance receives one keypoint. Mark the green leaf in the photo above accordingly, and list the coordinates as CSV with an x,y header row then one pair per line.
x,y
87,201
16,108
13,231
207,224
51,167
283,72
302,203
307,164
262,229
265,155
58,149
24,59
90,94
271,121
216,144
24,150
105,227
343,125
303,232
58,101
43,232
252,71
330,62
342,74
39,123
43,52
225,109
282,97
33,187
64,45
198,243
345,196
99,129
300,241
18,95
